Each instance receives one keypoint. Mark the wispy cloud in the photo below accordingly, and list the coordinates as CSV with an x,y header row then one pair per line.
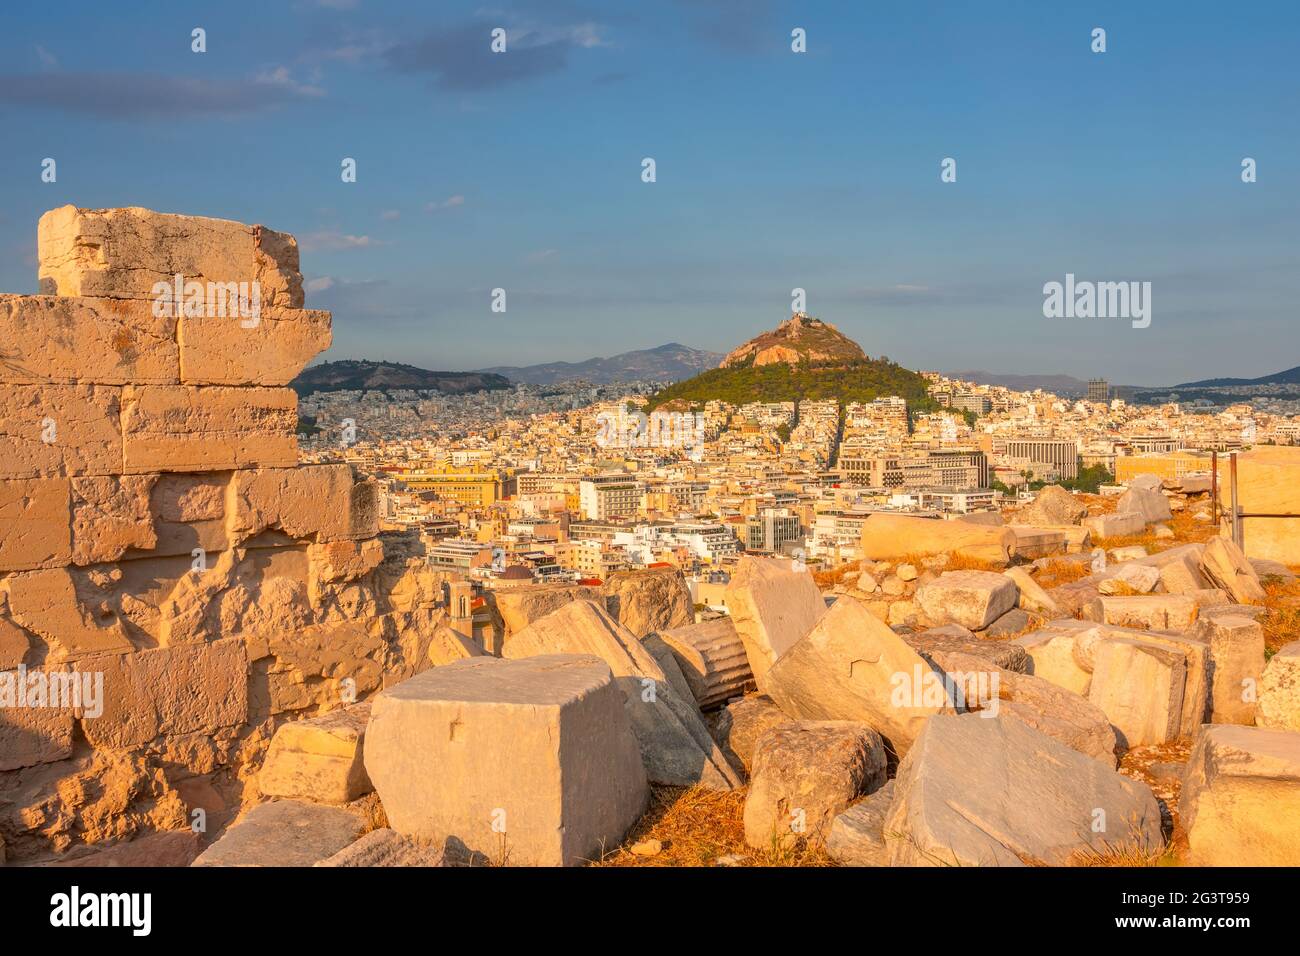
x,y
151,95
48,59
451,202
460,58
736,26
332,240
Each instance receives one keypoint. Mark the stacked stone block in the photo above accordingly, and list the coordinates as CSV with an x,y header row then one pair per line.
x,y
156,528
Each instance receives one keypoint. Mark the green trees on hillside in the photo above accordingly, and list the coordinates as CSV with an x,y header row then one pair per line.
x,y
861,381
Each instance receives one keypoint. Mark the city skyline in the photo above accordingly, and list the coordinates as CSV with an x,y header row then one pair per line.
x,y
775,171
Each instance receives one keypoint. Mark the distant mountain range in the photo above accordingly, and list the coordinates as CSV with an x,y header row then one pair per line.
x,y
350,374
1067,386
667,363
1290,377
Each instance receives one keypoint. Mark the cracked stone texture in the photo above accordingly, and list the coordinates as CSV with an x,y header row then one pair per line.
x,y
121,253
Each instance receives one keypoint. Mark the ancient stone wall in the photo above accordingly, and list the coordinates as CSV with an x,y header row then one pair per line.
x,y
157,533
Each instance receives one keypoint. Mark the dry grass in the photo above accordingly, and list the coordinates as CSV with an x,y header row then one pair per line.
x,y
1122,856
697,826
1059,571
1282,622
962,562
833,576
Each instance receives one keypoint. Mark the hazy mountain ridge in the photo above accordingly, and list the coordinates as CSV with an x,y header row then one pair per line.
x,y
358,375
1290,376
665,363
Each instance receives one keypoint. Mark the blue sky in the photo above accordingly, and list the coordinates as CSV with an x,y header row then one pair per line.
x,y
775,170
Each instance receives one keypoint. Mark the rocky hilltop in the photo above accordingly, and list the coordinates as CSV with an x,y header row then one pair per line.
x,y
802,358
800,338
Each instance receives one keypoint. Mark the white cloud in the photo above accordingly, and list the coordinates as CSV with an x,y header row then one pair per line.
x,y
451,202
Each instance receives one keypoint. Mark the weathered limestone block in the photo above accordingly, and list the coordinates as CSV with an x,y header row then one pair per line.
x,y
284,833
385,847
1051,654
1228,568
517,607
46,604
663,656
1151,505
1240,802
887,537
14,643
1083,640
973,599
183,613
96,796
713,660
1117,525
772,605
319,665
60,430
1196,685
1052,710
675,744
978,791
35,523
215,428
1013,622
1279,690
1131,578
56,340
955,638
270,350
1031,542
168,691
336,562
1052,505
1208,598
123,253
188,511
655,599
1139,686
1183,576
740,725
35,730
111,516
1032,597
319,759
852,667
528,762
316,502
806,774
857,836
1236,667
1146,482
1145,612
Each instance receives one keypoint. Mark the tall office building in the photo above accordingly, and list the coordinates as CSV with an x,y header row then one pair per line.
x,y
1098,390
